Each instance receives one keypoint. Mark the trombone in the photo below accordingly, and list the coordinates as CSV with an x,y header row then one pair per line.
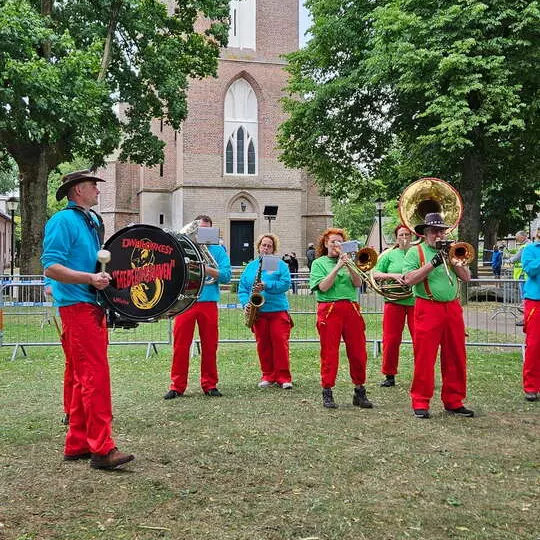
x,y
363,262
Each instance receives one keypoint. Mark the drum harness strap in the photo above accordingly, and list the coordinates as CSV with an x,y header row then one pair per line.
x,y
93,224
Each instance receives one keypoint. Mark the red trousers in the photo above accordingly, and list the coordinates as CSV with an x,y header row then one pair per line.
x,y
334,320
90,409
531,327
439,324
393,324
205,314
272,332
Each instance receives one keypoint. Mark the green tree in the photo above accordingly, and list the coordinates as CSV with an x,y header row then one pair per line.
x,y
399,89
66,67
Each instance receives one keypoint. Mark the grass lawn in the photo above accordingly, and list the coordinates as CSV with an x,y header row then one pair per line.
x,y
271,464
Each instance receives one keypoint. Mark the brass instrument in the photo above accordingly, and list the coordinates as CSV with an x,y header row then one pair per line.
x,y
364,261
389,288
256,300
463,251
429,195
190,230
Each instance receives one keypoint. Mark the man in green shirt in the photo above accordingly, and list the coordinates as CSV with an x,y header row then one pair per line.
x,y
438,320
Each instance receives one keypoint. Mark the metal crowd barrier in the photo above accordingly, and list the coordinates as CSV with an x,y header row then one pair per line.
x,y
28,318
491,308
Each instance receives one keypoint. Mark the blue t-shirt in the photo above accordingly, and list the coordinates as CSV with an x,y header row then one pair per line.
x,y
71,241
530,259
210,292
276,284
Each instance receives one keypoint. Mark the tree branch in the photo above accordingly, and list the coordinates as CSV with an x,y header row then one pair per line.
x,y
105,61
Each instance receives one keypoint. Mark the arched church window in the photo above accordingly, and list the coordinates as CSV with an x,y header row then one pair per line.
x,y
240,129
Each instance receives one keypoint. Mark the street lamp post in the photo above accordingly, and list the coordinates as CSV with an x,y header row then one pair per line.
x,y
529,208
11,205
379,205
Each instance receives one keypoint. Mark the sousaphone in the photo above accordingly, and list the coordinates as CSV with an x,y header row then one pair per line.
x,y
429,195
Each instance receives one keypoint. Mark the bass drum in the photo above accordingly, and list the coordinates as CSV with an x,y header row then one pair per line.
x,y
155,273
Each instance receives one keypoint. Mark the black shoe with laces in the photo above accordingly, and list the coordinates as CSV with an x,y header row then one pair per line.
x,y
171,394
531,396
389,381
461,411
421,413
213,392
328,399
360,398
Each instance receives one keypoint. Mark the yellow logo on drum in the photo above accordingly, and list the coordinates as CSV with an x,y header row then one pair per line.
x,y
145,295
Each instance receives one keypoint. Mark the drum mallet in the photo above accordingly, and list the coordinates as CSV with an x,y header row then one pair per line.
x,y
103,256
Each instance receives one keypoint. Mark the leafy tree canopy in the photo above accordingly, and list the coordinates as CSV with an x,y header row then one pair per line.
x,y
391,90
87,76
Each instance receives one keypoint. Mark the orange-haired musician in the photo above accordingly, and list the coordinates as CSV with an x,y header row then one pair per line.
x,y
338,315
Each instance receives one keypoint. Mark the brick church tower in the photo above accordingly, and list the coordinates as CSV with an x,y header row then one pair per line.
x,y
224,160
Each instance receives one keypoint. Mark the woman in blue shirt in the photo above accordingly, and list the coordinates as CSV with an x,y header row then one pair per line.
x,y
273,324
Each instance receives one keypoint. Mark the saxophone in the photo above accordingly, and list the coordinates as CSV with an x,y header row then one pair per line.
x,y
256,300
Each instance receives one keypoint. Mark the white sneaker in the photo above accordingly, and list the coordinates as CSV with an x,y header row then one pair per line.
x,y
287,386
265,384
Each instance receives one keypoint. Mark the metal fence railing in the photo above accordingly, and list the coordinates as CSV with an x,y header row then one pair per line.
x,y
27,318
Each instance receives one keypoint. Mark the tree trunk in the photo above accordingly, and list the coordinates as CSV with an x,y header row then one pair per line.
x,y
34,172
471,192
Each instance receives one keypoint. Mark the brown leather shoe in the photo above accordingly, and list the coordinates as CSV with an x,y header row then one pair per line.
x,y
113,459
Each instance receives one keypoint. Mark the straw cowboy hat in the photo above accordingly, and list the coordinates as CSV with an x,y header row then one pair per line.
x,y
73,178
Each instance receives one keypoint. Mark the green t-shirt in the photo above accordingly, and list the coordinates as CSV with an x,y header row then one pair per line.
x,y
391,262
437,279
342,289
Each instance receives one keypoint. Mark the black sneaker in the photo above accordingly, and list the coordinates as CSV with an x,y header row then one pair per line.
x,y
389,381
461,411
531,396
328,399
171,394
65,419
360,398
213,392
520,323
421,413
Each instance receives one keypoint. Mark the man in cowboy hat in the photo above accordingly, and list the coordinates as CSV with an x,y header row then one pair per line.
x,y
73,237
438,320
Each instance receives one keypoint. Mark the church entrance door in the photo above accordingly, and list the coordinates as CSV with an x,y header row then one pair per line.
x,y
241,242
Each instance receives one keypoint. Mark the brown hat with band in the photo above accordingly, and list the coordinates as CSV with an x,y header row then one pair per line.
x,y
73,178
431,220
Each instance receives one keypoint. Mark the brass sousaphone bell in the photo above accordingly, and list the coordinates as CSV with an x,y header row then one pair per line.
x,y
429,195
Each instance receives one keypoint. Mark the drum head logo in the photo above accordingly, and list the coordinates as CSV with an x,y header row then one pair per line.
x,y
150,275
145,295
